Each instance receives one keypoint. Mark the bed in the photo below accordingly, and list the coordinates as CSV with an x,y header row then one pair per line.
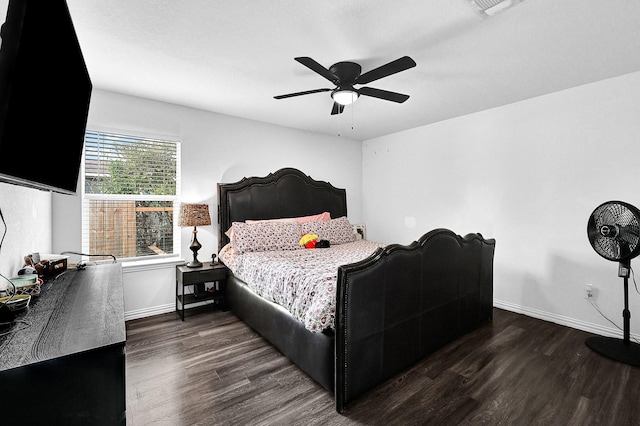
x,y
392,308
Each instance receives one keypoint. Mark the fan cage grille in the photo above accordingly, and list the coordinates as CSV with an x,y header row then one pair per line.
x,y
614,231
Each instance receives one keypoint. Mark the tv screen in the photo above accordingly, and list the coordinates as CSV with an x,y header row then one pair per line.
x,y
45,91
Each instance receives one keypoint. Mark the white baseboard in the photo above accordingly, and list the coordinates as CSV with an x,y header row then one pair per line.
x,y
507,306
160,309
147,312
562,320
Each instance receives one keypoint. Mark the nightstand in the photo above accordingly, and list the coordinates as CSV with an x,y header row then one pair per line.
x,y
186,276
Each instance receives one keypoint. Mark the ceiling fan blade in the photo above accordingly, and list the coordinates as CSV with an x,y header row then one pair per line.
x,y
308,92
383,94
393,67
316,67
337,108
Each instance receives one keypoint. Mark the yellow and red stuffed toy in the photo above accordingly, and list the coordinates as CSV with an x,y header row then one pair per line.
x,y
309,240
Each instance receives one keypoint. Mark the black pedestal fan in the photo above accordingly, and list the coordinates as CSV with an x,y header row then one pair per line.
x,y
614,233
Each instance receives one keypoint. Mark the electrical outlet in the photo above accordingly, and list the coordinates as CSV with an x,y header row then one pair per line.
x,y
589,292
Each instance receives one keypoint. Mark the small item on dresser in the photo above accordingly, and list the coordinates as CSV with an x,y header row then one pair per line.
x,y
213,259
51,266
42,268
17,302
24,285
27,270
29,266
57,265
29,260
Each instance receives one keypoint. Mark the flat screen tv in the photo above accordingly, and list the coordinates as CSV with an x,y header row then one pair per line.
x,y
45,91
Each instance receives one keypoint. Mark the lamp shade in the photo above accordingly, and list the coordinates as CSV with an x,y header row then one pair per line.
x,y
194,215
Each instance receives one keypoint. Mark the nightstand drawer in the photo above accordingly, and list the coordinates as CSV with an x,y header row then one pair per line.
x,y
188,276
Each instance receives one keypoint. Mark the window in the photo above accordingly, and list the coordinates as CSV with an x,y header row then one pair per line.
x,y
130,197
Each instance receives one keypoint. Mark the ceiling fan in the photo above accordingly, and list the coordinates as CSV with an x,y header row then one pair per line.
x,y
344,75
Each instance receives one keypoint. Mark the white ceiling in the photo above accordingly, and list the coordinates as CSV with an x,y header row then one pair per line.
x,y
234,56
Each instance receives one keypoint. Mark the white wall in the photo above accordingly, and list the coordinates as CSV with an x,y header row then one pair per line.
x,y
27,217
215,148
529,175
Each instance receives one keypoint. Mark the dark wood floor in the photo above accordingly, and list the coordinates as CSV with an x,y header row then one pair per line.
x,y
213,369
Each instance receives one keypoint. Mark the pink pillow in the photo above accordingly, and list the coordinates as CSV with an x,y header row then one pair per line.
x,y
314,218
229,233
283,220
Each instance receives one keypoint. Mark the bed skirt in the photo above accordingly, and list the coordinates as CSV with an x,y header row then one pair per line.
x,y
312,352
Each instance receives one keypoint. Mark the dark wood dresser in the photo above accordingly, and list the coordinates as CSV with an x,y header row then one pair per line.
x,y
63,360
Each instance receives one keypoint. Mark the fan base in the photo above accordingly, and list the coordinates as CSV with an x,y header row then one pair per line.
x,y
615,349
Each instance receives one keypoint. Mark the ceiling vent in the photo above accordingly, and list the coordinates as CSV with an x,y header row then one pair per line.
x,y
488,8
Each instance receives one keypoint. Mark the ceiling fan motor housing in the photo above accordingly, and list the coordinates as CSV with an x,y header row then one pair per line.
x,y
346,73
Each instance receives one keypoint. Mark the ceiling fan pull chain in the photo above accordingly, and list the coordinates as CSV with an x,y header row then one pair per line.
x,y
352,107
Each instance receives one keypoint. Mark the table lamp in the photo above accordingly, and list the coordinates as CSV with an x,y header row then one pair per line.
x,y
195,215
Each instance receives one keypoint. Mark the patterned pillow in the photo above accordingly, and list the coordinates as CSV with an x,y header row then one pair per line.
x,y
265,236
337,231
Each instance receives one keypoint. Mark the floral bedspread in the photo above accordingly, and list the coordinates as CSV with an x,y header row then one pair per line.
x,y
302,281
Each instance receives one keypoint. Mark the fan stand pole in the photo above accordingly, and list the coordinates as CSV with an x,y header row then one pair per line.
x,y
624,350
626,314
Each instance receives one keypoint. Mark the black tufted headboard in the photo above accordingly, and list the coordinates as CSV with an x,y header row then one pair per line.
x,y
285,193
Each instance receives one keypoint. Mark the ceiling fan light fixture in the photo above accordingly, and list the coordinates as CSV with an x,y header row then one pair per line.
x,y
345,96
489,8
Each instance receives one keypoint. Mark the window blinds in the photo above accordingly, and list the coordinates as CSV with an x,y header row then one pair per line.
x,y
131,195
119,164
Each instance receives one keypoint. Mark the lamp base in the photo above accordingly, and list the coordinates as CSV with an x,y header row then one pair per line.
x,y
194,264
194,247
615,349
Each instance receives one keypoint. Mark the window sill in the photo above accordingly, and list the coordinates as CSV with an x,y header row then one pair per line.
x,y
151,264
